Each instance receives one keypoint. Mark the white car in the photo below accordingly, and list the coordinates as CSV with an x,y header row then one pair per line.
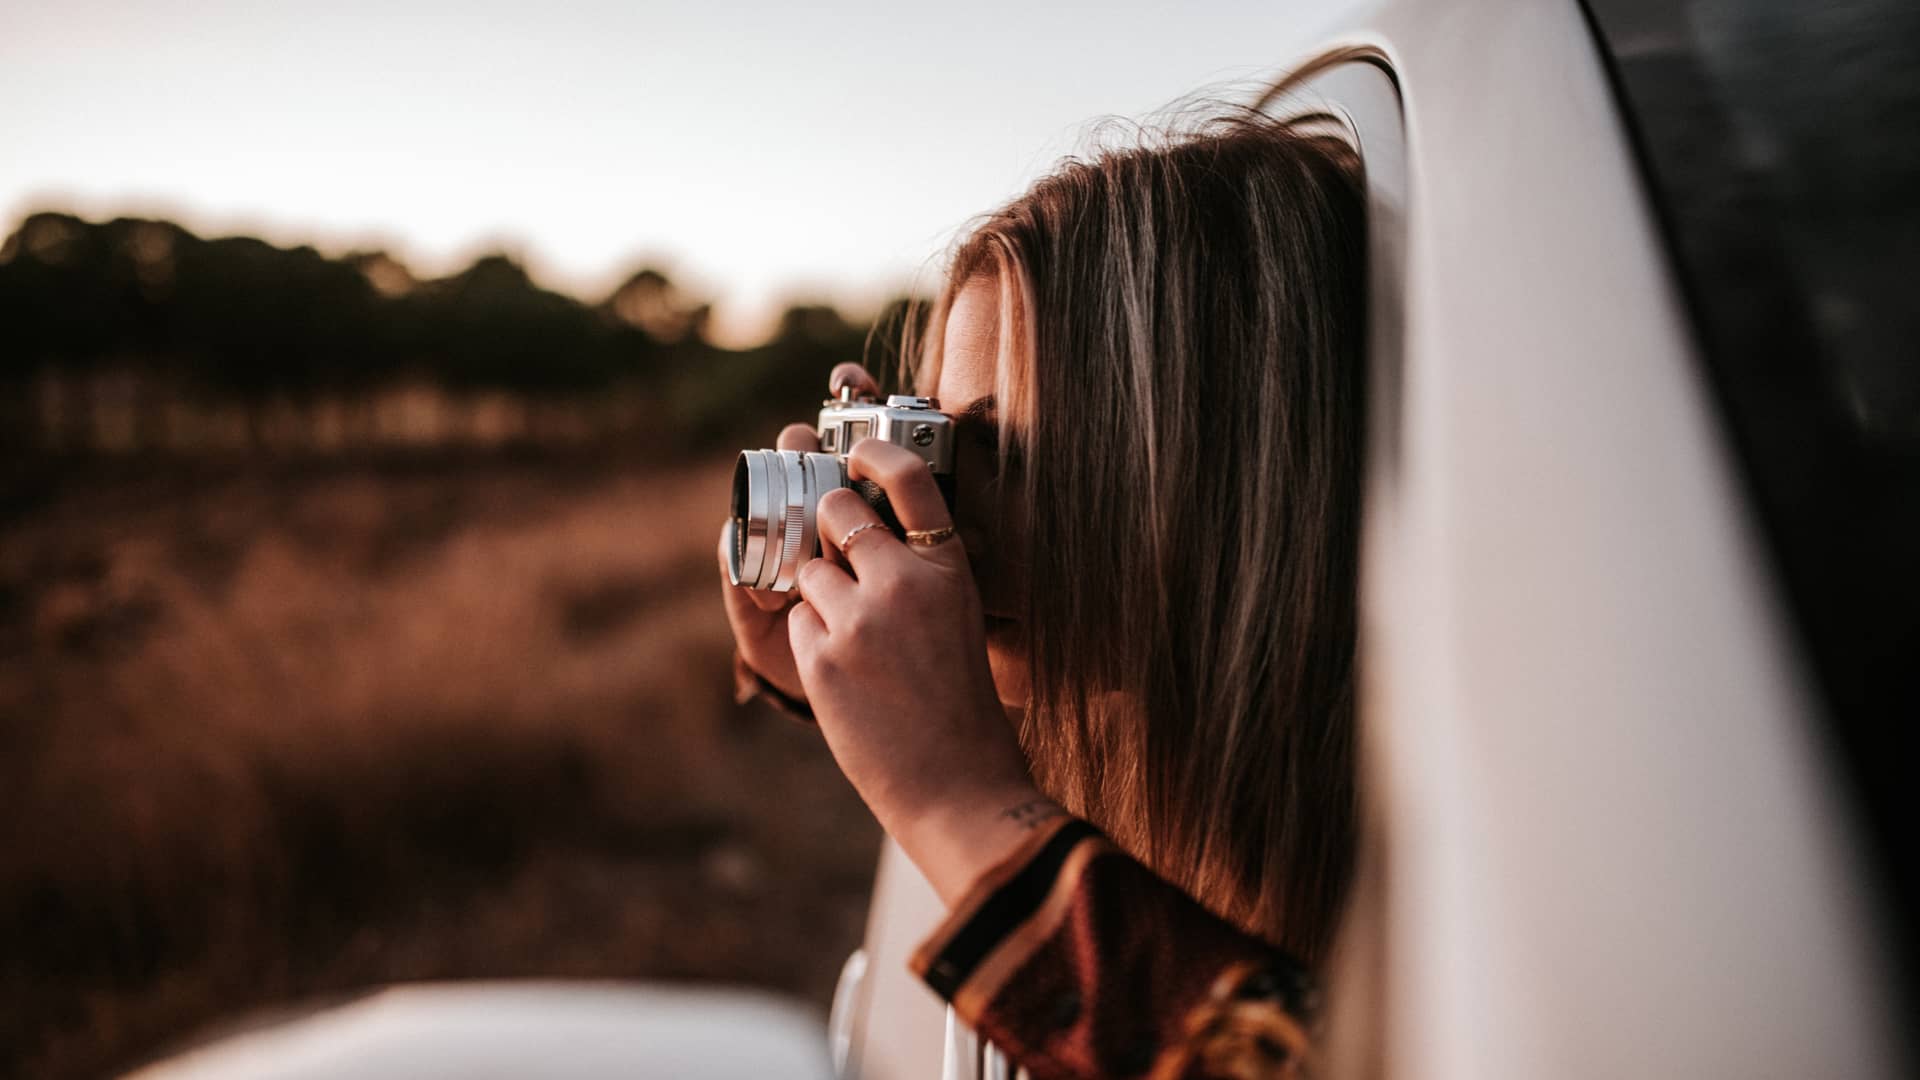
x,y
1640,595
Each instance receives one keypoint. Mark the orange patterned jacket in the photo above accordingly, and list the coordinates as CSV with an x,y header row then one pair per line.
x,y
1079,962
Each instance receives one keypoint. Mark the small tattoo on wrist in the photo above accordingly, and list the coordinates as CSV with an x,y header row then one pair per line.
x,y
1033,813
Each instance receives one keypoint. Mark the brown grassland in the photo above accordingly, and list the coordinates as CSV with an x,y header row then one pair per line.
x,y
273,733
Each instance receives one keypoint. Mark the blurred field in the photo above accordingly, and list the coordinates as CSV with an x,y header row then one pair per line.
x,y
280,731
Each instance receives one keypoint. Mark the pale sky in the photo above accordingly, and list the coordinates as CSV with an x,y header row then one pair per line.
x,y
758,152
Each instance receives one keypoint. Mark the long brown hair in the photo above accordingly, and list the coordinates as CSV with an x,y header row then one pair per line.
x,y
1187,320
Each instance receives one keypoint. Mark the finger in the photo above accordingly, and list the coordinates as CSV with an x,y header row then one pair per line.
x,y
805,635
827,589
798,437
855,376
766,599
868,551
906,479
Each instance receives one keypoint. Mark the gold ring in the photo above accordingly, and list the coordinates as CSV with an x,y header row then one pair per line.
x,y
929,537
856,531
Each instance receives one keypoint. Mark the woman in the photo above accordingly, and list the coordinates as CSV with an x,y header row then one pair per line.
x,y
1113,722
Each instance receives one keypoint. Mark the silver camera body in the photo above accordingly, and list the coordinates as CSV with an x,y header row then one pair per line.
x,y
771,530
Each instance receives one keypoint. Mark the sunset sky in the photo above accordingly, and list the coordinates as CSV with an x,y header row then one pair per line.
x,y
759,152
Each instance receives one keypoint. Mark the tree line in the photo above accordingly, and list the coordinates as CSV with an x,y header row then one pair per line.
x,y
241,319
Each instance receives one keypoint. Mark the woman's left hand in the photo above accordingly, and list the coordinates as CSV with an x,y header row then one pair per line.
x,y
892,652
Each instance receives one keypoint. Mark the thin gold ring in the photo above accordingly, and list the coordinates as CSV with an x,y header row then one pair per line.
x,y
929,537
856,531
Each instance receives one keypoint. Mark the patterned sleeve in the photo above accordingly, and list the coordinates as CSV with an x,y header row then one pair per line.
x,y
1078,962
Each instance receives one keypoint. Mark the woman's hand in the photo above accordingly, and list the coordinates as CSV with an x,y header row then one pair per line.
x,y
758,617
891,651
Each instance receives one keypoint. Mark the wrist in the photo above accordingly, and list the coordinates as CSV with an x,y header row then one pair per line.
x,y
958,840
749,682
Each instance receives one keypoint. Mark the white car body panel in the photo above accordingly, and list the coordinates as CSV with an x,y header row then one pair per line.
x,y
517,1030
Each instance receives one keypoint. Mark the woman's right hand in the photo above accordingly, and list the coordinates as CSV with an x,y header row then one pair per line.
x,y
759,617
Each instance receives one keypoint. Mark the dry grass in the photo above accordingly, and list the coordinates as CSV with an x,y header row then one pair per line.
x,y
283,732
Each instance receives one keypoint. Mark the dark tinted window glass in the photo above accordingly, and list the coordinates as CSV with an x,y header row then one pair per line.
x,y
1781,145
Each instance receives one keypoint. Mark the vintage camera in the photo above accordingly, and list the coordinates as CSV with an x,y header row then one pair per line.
x,y
771,532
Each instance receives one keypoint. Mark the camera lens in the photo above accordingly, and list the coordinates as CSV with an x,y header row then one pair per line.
x,y
771,533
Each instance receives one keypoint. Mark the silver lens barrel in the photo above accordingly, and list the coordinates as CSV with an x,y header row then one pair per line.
x,y
771,534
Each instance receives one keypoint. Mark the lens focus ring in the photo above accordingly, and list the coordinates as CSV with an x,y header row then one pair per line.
x,y
794,515
775,496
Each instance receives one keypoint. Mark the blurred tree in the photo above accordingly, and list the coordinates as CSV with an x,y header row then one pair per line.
x,y
388,275
255,319
490,325
74,297
59,301
649,302
730,396
250,321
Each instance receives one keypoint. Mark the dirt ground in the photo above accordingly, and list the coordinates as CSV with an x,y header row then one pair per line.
x,y
274,733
